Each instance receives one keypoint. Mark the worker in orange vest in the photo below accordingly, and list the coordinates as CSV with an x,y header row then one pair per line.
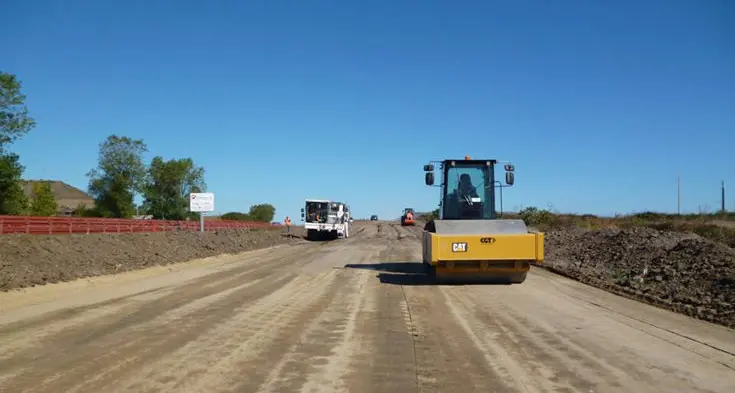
x,y
287,221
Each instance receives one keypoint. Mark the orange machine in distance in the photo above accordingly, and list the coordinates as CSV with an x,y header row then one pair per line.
x,y
407,217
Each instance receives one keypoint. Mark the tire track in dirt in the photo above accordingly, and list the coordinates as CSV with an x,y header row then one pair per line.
x,y
216,360
579,348
224,267
317,361
713,346
501,347
25,334
48,330
358,230
364,232
187,312
315,353
399,234
119,351
447,359
384,361
416,232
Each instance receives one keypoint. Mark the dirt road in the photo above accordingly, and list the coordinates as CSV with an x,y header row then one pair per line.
x,y
351,315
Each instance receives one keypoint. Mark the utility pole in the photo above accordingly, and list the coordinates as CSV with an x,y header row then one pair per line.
x,y
678,195
500,186
723,197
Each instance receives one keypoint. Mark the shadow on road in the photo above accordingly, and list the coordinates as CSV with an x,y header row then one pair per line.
x,y
398,273
323,239
391,267
415,273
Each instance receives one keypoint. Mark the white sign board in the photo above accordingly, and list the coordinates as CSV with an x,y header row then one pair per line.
x,y
201,202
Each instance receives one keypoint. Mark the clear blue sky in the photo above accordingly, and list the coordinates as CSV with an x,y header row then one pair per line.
x,y
600,106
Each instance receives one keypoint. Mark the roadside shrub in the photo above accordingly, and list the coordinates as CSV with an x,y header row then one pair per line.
x,y
537,217
235,216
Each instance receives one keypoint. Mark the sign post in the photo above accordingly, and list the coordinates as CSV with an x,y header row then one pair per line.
x,y
201,202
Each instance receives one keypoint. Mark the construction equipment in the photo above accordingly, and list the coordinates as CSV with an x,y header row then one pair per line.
x,y
325,219
407,217
467,242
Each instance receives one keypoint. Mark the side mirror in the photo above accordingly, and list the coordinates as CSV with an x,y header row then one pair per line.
x,y
509,178
302,210
428,167
429,178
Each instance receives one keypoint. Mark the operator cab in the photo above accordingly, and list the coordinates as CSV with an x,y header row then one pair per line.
x,y
468,188
316,211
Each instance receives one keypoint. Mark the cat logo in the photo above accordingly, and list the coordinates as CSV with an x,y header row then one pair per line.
x,y
487,240
459,247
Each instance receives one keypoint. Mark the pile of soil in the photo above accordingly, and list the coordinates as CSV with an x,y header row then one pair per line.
x,y
29,260
679,271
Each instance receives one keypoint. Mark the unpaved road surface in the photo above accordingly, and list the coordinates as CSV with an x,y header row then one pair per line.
x,y
347,316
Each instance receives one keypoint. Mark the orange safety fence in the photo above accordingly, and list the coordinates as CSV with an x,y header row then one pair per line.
x,y
67,225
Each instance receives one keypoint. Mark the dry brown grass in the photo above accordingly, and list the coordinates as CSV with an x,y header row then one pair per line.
x,y
719,227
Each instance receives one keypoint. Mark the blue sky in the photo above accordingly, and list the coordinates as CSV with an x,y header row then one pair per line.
x,y
599,106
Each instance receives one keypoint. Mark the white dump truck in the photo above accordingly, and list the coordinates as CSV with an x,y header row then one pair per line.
x,y
325,219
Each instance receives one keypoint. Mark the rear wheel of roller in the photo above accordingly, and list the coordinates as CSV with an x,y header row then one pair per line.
x,y
518,278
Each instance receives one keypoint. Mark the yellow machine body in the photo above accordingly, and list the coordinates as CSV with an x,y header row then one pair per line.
x,y
468,241
482,257
489,248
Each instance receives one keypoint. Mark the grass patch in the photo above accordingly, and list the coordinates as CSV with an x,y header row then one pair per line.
x,y
719,227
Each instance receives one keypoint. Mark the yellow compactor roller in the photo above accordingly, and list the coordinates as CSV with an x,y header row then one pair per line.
x,y
468,242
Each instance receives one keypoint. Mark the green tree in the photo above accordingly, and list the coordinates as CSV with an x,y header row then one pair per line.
x,y
14,120
82,211
235,216
432,215
14,124
168,185
12,198
263,212
43,202
119,175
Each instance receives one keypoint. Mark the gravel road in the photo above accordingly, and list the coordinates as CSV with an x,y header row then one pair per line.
x,y
352,315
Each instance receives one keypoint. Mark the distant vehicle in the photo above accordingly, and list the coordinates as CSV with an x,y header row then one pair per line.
x,y
326,219
407,217
374,217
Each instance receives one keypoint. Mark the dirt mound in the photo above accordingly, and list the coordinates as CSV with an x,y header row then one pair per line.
x,y
680,271
29,260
